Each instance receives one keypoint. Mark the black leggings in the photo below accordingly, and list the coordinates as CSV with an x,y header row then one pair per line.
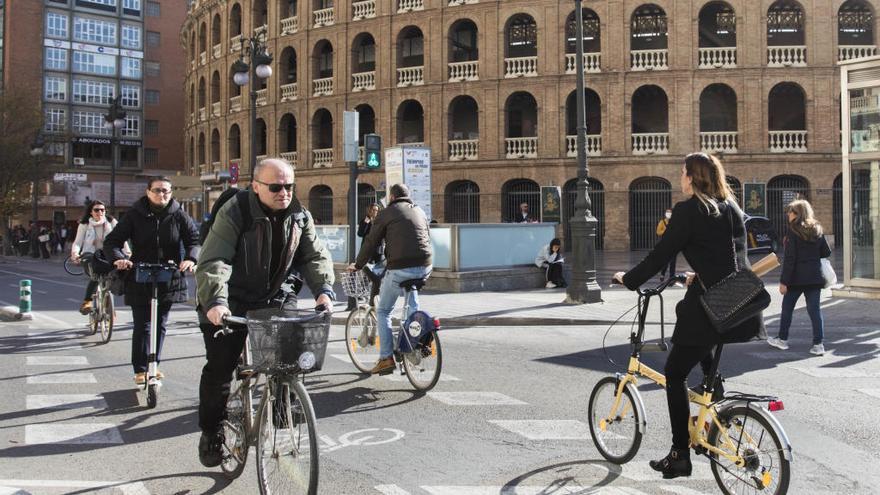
x,y
682,359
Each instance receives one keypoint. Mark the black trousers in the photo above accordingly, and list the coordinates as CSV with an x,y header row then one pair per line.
x,y
140,335
222,357
681,360
554,274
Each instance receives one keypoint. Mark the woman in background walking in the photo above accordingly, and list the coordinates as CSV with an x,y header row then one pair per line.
x,y
804,246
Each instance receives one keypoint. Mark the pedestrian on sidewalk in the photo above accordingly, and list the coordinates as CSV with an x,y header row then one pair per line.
x,y
158,230
93,228
706,225
550,259
376,266
45,240
258,238
524,216
804,246
661,231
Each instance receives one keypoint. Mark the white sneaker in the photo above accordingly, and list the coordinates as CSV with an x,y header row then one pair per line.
x,y
778,343
817,349
550,285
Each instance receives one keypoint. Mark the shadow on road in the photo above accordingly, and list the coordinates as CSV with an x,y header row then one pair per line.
x,y
564,477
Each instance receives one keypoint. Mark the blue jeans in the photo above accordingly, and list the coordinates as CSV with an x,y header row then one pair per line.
x,y
790,299
388,295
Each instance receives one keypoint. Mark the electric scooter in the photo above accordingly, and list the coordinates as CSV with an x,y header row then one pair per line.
x,y
153,273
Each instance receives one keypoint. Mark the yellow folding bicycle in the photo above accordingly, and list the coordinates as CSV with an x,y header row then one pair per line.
x,y
747,447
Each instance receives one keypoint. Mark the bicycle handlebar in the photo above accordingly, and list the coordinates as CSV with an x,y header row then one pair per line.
x,y
320,311
677,278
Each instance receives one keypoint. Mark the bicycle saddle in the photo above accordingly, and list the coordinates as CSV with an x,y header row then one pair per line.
x,y
414,283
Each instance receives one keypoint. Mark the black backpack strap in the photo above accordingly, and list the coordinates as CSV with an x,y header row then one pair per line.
x,y
244,206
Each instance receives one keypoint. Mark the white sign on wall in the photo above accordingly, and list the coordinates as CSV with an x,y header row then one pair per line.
x,y
411,166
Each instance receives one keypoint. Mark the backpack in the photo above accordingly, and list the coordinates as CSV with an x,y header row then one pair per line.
x,y
243,205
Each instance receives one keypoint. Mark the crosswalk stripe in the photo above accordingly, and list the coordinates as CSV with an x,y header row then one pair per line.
x,y
475,399
873,392
680,490
72,434
530,490
126,487
56,360
66,401
62,378
848,372
391,490
537,429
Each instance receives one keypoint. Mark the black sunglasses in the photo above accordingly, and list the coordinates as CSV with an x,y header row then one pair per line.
x,y
98,209
276,188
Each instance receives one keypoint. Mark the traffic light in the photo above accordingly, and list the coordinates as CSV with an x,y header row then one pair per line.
x,y
373,151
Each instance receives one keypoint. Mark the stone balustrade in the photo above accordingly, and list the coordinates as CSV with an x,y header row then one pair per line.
x,y
324,17
649,59
520,67
650,143
363,10
594,145
464,149
289,25
786,56
363,81
322,87
464,71
849,52
717,58
410,76
288,91
788,141
521,147
322,157
718,142
592,62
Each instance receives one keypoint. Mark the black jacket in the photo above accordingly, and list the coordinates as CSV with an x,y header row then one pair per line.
x,y
174,236
706,243
364,229
404,228
800,262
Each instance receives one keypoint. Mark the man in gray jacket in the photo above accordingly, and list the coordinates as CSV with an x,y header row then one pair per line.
x,y
404,228
248,254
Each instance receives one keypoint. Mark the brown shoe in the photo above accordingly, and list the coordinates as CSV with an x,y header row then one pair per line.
x,y
160,375
86,307
140,378
383,367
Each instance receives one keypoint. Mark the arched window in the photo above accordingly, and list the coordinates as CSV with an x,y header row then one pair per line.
x,y
192,155
322,129
410,123
717,43
736,186
215,31
787,116
650,121
718,119
785,24
203,38
521,36
366,197
855,31
516,192
262,138
202,158
366,121
462,202
411,48
202,93
235,21
321,204
594,122
287,133
782,190
192,98
363,54
260,14
215,87
215,146
323,56
648,28
287,8
649,197
464,128
597,205
592,32
463,42
234,142
287,66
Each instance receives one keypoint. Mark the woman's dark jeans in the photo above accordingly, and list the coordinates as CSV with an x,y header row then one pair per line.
x,y
91,287
140,338
682,359
790,299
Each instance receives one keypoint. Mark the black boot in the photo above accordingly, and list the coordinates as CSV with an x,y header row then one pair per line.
x,y
210,454
676,463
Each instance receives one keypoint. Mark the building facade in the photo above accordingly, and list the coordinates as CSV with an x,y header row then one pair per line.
x,y
489,86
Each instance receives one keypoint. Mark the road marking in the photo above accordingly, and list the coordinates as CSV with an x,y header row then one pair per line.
x,y
641,471
680,490
831,372
560,489
535,429
126,487
342,357
397,377
72,434
475,399
31,277
57,360
365,437
62,378
873,392
66,401
70,299
391,490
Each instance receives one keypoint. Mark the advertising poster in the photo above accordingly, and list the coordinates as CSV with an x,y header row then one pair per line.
x,y
551,204
417,175
393,167
755,199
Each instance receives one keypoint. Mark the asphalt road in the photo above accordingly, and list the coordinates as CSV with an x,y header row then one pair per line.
x,y
508,417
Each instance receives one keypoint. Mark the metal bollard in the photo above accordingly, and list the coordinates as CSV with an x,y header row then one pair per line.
x,y
24,300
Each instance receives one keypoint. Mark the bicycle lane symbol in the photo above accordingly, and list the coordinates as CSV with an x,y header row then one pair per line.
x,y
360,438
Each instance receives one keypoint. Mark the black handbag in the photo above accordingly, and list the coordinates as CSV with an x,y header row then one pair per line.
x,y
735,298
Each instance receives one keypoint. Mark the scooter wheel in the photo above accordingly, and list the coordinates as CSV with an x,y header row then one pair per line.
x,y
152,396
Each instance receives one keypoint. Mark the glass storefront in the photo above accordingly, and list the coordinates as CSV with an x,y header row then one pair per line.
x,y
865,205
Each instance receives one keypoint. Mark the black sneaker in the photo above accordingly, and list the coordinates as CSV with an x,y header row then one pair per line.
x,y
676,463
210,454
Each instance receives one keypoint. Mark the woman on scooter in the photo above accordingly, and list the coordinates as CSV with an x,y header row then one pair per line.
x,y
157,229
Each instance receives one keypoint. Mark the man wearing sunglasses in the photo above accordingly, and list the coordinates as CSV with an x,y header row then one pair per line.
x,y
249,252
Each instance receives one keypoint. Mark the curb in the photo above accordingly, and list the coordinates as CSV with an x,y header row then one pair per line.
x,y
12,313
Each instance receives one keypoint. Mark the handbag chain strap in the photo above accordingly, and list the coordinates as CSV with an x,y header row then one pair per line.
x,y
732,245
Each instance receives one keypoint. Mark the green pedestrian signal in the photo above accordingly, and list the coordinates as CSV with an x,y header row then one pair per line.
x,y
373,151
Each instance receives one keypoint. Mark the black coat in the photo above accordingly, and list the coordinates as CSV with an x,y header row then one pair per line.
x,y
800,262
174,236
705,242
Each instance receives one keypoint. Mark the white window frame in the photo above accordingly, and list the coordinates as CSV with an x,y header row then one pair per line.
x,y
54,62
128,41
129,71
55,88
91,30
126,98
91,65
132,126
131,5
55,119
91,92
85,122
57,25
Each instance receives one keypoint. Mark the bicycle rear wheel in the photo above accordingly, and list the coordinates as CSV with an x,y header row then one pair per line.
x,y
235,448
107,317
751,436
424,363
287,443
618,438
72,268
362,338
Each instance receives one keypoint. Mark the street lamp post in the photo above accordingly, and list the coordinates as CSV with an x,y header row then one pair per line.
x,y
37,150
243,73
114,119
583,287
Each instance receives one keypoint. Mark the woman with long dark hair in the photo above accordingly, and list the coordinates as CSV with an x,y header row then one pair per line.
x,y
93,228
708,229
550,259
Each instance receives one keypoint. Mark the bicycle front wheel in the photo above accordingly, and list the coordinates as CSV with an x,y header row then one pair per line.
x,y
615,431
107,317
424,363
73,268
750,436
362,338
287,442
235,445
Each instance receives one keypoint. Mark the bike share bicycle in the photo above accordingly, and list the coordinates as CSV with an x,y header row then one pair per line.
x,y
153,273
102,316
417,349
280,348
746,445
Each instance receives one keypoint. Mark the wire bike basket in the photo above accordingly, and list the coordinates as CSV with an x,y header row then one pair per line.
x,y
288,338
356,284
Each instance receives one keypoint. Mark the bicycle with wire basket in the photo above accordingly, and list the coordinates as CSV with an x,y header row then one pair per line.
x,y
280,349
102,315
746,445
417,349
